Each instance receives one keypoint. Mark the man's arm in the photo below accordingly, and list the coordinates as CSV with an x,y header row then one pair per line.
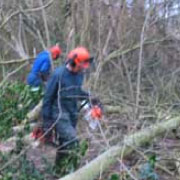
x,y
45,70
82,94
45,67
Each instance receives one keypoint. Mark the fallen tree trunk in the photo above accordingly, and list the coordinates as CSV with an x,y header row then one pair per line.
x,y
34,114
103,161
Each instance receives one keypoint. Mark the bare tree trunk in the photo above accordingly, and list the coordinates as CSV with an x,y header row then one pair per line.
x,y
45,24
140,63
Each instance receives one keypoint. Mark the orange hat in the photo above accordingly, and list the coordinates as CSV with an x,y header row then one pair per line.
x,y
80,56
55,52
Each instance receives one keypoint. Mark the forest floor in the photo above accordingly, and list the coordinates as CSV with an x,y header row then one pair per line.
x,y
111,132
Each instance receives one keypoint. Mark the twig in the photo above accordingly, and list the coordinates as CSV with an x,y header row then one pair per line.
x,y
120,52
127,170
26,11
12,73
103,135
16,61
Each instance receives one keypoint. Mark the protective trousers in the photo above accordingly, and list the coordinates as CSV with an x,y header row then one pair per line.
x,y
67,137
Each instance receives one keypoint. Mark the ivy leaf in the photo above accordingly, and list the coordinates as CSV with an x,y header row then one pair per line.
x,y
114,177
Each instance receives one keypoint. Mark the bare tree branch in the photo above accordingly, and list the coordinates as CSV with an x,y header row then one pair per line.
x,y
16,61
25,11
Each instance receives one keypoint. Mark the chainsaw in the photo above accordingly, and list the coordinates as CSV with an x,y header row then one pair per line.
x,y
92,113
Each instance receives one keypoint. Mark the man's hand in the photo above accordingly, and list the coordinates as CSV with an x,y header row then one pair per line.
x,y
44,77
94,101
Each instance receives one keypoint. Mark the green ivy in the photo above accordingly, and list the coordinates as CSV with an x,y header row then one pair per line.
x,y
115,177
15,102
71,162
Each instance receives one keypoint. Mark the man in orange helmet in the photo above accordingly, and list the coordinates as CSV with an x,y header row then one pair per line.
x,y
63,92
42,67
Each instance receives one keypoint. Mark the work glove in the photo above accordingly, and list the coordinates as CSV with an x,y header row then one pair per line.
x,y
39,134
44,76
94,101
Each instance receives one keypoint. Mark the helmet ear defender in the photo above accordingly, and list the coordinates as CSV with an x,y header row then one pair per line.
x,y
72,61
91,60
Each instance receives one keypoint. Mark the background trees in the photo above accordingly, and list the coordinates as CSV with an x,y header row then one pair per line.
x,y
135,44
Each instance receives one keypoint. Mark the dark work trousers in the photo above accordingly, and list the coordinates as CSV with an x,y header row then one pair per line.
x,y
66,135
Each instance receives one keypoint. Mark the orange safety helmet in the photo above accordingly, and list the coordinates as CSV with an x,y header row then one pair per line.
x,y
55,52
79,56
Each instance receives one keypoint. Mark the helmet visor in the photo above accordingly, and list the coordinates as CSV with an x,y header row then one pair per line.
x,y
85,64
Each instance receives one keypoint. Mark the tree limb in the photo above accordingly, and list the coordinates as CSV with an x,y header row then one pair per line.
x,y
118,53
26,11
16,61
12,73
103,161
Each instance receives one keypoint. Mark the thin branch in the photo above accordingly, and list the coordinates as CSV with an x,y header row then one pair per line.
x,y
25,11
12,73
117,53
45,24
16,61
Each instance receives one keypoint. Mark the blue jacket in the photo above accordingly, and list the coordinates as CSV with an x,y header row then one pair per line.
x,y
64,90
41,67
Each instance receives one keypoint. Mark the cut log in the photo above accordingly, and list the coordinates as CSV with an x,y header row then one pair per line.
x,y
20,128
103,161
34,114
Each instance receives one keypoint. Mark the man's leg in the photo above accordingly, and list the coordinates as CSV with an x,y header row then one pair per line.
x,y
48,127
67,140
74,119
